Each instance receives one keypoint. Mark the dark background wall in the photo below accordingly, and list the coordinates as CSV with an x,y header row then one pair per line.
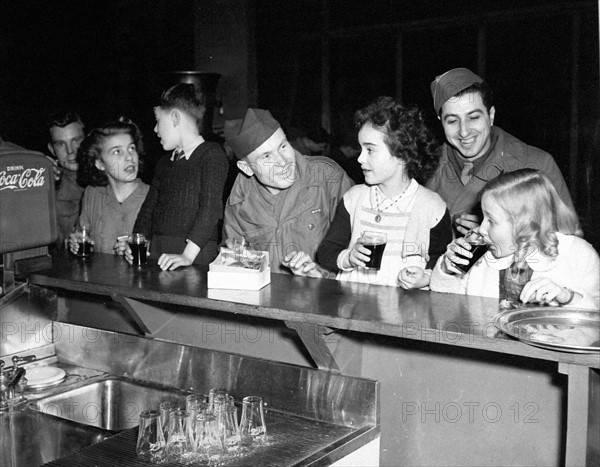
x,y
540,57
100,58
312,62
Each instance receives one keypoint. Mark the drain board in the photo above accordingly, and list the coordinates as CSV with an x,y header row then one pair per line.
x,y
292,441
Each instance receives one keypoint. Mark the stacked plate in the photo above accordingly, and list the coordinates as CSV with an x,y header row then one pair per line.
x,y
43,376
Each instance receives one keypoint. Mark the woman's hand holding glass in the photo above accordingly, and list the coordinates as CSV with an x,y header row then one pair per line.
x,y
76,238
358,255
122,248
73,241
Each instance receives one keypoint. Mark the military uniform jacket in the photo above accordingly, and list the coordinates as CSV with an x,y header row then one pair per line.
x,y
508,154
299,223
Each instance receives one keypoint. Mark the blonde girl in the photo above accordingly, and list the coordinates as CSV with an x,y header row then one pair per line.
x,y
536,253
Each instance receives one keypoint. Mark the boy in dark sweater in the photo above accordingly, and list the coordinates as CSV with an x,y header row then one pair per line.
x,y
183,208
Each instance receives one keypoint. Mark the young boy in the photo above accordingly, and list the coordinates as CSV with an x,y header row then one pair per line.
x,y
184,205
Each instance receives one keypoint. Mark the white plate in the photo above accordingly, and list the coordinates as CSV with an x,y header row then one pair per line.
x,y
42,375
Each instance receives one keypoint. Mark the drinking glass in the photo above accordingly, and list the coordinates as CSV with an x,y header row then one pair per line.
x,y
194,404
375,242
230,401
228,426
216,396
139,248
239,245
165,409
514,281
85,245
194,401
478,249
150,442
178,446
252,425
209,439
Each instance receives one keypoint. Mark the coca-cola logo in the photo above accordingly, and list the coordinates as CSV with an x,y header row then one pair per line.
x,y
19,178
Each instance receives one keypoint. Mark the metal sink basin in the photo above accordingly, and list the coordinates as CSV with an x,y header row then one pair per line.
x,y
32,438
110,404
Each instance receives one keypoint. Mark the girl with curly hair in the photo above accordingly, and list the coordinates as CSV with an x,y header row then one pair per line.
x,y
535,251
109,160
398,153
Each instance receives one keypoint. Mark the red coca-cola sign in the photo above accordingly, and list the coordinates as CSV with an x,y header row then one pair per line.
x,y
27,205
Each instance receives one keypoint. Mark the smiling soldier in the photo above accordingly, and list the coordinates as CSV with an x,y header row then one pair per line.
x,y
281,201
475,150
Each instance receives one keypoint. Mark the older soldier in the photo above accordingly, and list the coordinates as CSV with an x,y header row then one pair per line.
x,y
282,201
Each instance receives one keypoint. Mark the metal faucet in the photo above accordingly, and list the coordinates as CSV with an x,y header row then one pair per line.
x,y
13,381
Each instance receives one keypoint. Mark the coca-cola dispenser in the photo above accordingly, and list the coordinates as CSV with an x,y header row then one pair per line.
x,y
27,205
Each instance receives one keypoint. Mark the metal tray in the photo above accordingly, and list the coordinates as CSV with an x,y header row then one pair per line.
x,y
563,329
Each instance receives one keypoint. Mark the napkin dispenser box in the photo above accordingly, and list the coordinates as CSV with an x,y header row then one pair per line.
x,y
225,274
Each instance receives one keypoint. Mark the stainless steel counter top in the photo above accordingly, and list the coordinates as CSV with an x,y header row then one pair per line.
x,y
449,319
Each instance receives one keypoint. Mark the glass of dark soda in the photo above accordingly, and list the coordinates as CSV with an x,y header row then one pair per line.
x,y
478,249
85,244
139,248
375,242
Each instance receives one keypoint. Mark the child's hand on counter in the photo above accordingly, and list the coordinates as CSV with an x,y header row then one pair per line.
x,y
169,262
547,292
413,277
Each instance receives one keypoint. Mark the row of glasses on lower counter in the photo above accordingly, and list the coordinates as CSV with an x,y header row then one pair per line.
x,y
207,430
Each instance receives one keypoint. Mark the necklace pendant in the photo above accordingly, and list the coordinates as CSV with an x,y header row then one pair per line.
x,y
378,218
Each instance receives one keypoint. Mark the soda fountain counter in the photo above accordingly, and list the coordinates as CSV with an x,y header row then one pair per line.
x,y
454,389
90,418
89,414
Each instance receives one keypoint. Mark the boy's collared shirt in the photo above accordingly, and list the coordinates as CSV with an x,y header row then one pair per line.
x,y
187,150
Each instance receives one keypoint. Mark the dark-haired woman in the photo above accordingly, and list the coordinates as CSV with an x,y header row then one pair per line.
x,y
109,160
397,152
